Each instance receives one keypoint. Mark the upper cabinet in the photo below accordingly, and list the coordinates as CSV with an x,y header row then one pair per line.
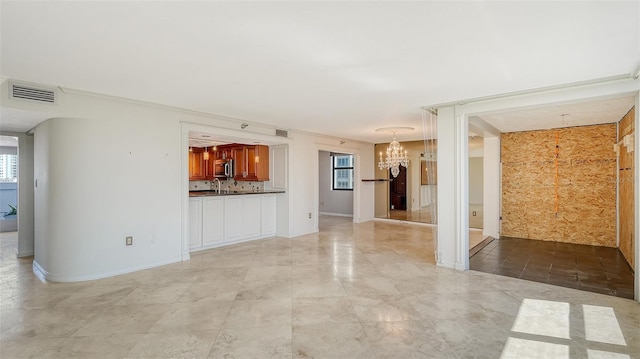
x,y
197,164
252,163
201,167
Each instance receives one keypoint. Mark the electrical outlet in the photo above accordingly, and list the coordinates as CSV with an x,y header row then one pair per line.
x,y
129,240
309,214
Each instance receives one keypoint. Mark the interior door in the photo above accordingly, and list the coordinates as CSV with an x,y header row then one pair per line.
x,y
398,190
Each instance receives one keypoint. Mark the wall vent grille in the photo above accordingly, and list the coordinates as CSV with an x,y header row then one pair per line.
x,y
282,133
33,93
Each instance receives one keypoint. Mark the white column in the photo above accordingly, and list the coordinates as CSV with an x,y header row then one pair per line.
x,y
462,191
453,193
446,188
491,190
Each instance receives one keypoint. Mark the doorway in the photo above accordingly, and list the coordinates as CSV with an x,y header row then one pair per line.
x,y
336,183
8,196
398,190
8,184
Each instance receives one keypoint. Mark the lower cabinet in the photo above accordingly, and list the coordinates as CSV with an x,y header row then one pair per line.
x,y
268,215
220,220
212,220
251,217
195,222
233,207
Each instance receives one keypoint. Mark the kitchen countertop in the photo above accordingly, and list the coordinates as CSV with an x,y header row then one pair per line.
x,y
227,193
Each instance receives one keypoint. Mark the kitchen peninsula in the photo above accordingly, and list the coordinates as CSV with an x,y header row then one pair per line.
x,y
228,202
227,217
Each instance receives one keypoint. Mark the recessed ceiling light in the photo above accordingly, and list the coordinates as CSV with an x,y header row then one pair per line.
x,y
256,141
205,136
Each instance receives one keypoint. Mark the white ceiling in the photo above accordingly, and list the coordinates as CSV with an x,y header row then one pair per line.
x,y
565,115
336,68
14,120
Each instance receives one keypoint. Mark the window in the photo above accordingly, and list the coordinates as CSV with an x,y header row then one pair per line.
x,y
8,168
342,166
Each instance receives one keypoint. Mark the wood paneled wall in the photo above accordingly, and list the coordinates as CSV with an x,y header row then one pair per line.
x,y
626,192
585,185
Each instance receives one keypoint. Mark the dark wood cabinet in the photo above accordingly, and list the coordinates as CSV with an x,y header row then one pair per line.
x,y
197,165
252,163
201,168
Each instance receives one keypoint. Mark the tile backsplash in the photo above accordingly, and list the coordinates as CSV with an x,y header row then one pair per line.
x,y
231,185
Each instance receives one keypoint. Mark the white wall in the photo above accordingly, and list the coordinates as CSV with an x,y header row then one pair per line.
x,y
98,182
363,192
108,168
475,180
331,202
446,189
491,187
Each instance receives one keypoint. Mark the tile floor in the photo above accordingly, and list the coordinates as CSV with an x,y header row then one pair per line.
x,y
595,269
367,290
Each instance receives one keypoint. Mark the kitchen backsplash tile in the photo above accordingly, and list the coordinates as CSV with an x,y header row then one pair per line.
x,y
231,185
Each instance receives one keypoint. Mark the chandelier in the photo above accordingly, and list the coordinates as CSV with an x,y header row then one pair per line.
x,y
396,155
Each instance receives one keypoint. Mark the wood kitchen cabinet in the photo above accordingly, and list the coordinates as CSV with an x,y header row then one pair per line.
x,y
197,165
223,152
252,163
199,168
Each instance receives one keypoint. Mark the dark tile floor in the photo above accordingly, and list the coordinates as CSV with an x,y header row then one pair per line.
x,y
595,269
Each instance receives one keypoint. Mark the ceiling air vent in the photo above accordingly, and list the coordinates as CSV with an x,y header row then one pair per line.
x,y
282,133
33,93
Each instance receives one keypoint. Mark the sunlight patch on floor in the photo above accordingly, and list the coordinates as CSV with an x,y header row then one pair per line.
x,y
543,317
601,325
521,348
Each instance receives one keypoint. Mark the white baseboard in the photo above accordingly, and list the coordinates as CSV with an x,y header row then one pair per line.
x,y
43,273
399,221
336,214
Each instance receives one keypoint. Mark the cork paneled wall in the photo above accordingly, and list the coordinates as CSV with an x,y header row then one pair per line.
x,y
566,197
626,193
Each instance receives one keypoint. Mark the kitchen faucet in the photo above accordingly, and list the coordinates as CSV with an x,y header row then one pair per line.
x,y
219,185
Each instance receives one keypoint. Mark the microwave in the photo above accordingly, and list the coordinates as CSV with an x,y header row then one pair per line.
x,y
223,168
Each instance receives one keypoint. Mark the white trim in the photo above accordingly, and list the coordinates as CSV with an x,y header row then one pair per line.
x,y
604,81
43,273
446,264
24,254
336,214
184,189
357,170
400,221
237,241
462,191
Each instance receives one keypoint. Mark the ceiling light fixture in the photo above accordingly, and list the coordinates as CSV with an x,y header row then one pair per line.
x,y
396,155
